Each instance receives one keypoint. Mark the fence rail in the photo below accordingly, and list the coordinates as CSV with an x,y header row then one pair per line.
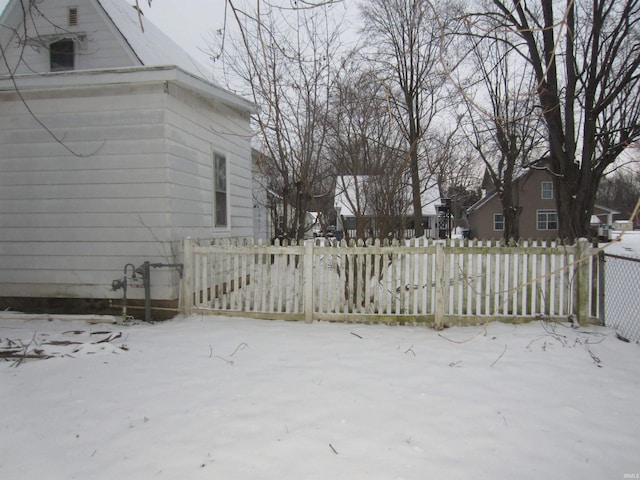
x,y
435,282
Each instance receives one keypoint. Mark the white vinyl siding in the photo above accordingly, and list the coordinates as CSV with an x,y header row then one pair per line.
x,y
97,43
197,128
121,170
86,215
141,182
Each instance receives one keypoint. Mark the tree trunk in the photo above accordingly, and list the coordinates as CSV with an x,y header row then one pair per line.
x,y
417,200
511,215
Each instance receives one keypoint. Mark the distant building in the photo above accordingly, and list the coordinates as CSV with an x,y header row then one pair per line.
x,y
359,197
534,193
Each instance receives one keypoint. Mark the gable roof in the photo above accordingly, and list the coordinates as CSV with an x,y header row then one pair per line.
x,y
153,56
346,195
151,46
486,183
481,202
145,43
346,187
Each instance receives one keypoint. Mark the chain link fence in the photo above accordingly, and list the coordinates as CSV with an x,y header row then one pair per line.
x,y
622,296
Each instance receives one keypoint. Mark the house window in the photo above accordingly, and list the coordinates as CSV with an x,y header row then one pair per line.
x,y
220,190
73,16
547,220
547,190
62,55
498,221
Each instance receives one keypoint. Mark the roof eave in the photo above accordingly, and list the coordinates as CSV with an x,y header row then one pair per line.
x,y
114,76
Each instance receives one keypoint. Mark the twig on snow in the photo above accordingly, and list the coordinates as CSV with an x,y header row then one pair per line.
x,y
229,362
503,352
596,360
242,346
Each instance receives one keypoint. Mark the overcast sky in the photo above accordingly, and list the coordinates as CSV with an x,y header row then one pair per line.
x,y
188,22
191,23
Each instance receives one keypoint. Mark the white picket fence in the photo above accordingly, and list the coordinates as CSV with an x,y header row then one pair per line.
x,y
420,281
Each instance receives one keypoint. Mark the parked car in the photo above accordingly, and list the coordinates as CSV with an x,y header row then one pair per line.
x,y
330,231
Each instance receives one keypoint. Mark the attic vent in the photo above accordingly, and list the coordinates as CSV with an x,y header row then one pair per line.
x,y
73,16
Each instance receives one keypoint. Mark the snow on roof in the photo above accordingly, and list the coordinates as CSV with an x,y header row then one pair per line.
x,y
151,46
346,196
346,186
430,200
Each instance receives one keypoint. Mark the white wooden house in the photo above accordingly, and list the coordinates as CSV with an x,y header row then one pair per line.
x,y
114,146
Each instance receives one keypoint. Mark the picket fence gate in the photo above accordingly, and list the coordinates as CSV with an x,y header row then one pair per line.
x,y
420,281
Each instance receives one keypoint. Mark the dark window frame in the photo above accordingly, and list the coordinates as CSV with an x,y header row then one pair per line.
x,y
220,192
62,55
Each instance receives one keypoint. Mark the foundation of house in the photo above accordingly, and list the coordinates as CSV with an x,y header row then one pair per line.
x,y
160,309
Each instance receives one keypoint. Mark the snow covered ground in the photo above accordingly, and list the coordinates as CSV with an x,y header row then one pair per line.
x,y
628,244
223,398
234,398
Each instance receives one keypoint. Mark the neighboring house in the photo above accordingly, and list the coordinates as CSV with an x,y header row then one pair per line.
x,y
268,215
534,193
359,196
113,147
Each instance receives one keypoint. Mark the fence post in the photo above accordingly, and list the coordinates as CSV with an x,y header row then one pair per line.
x,y
583,288
186,292
308,282
601,287
439,293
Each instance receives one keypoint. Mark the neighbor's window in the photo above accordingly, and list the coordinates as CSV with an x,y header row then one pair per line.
x,y
62,55
547,220
220,190
498,221
350,223
547,190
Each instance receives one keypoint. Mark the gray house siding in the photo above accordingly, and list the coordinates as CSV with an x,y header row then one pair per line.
x,y
196,130
98,44
110,162
528,195
82,213
141,181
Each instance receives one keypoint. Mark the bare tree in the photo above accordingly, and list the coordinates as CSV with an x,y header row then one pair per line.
x,y
409,41
585,56
458,171
364,147
285,57
502,125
